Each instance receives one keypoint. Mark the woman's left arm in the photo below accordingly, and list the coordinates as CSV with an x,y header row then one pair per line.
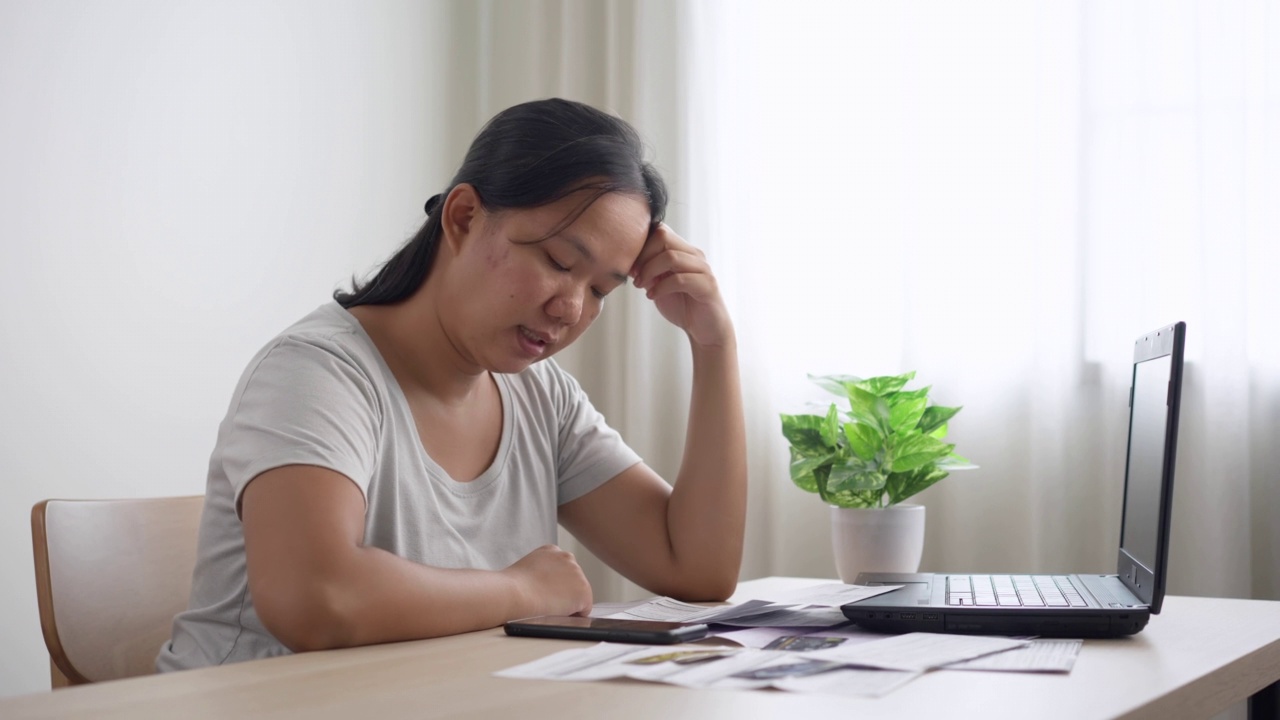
x,y
686,541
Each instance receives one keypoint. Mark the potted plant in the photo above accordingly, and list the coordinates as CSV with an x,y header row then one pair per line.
x,y
865,460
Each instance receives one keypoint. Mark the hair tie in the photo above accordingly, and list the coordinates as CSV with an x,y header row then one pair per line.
x,y
432,204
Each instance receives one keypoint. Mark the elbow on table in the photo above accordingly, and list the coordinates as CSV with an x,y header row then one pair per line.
x,y
720,591
308,618
705,587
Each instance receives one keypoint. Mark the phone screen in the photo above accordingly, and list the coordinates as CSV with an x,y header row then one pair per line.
x,y
607,629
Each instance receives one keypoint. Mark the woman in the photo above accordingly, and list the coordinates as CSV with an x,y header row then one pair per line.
x,y
394,465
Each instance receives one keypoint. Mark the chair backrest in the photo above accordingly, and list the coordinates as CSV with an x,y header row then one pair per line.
x,y
110,576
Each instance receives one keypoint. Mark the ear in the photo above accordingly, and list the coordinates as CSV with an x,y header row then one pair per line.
x,y
460,215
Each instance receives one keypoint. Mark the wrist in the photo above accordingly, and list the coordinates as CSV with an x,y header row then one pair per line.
x,y
518,600
723,347
717,334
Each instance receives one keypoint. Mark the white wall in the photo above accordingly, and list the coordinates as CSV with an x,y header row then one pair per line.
x,y
178,182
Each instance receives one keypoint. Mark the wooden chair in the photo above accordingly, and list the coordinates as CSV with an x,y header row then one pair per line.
x,y
110,576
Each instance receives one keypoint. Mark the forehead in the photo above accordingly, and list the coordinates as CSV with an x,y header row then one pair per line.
x,y
614,225
614,218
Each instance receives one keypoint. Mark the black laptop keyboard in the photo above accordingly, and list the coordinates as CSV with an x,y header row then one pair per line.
x,y
1013,590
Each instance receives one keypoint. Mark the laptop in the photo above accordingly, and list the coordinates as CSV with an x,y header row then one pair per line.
x,y
1061,604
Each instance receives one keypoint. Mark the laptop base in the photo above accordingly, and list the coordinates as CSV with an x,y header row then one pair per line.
x,y
972,622
916,607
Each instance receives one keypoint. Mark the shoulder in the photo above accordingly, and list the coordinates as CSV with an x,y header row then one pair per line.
x,y
328,330
328,326
327,348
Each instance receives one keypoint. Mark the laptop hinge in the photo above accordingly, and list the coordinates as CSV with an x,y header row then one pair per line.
x,y
1111,591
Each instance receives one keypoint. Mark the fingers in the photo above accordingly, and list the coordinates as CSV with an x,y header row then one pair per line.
x,y
556,582
668,264
699,286
665,253
662,238
678,279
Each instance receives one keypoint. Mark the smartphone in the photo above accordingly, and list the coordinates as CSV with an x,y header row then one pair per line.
x,y
646,632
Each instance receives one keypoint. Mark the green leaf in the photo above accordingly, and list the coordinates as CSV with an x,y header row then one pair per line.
x,y
894,484
905,395
904,416
865,407
956,462
864,440
835,384
885,384
901,486
807,483
939,432
802,467
909,452
854,475
852,499
934,416
804,432
830,427
820,475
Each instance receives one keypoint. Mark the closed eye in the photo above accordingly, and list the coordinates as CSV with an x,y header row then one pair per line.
x,y
560,268
564,269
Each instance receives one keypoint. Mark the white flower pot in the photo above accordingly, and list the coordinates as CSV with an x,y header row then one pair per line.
x,y
877,539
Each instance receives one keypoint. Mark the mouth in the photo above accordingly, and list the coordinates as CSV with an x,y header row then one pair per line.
x,y
533,342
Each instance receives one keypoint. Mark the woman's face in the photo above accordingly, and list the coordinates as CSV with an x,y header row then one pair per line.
x,y
520,299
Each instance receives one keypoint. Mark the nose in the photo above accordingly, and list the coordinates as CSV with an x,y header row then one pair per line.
x,y
566,306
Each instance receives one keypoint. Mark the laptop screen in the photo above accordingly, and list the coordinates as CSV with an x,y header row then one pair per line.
x,y
1153,439
1148,422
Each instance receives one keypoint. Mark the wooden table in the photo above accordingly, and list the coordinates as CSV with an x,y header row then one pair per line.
x,y
1195,659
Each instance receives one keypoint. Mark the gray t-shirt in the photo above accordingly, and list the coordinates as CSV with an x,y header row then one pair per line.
x,y
320,394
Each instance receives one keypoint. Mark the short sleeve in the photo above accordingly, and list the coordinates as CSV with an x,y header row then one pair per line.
x,y
304,403
590,453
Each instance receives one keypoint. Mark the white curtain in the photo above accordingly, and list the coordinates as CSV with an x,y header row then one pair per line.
x,y
1002,195
999,195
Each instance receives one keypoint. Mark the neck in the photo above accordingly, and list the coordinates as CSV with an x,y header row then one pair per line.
x,y
412,340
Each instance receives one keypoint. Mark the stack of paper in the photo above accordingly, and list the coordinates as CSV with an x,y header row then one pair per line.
x,y
868,668
799,642
817,606
699,667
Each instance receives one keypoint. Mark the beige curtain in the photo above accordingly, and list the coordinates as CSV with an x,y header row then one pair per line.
x,y
624,56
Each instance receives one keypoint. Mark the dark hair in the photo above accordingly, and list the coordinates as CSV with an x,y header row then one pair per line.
x,y
529,155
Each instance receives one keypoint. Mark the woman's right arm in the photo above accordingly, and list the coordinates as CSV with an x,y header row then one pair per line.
x,y
316,586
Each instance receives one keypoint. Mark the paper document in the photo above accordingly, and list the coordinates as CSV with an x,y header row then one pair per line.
x,y
753,613
696,666
848,681
732,613
602,661
814,662
917,651
787,616
606,609
788,638
1057,656
830,594
669,610
813,606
